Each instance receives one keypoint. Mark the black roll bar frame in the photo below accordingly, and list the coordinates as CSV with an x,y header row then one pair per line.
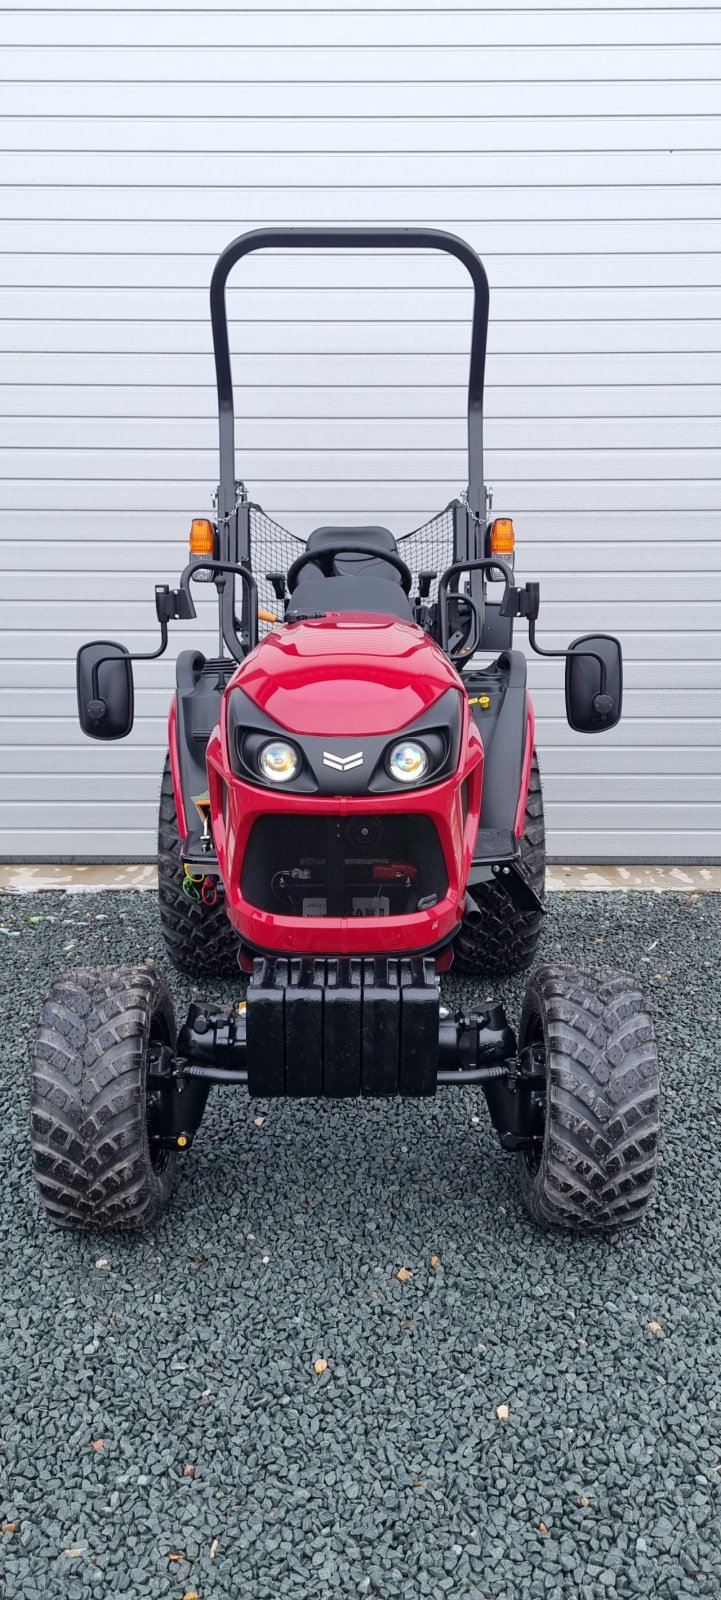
x,y
348,239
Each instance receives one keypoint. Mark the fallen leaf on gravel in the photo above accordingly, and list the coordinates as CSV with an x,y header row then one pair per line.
x,y
97,1444
655,1327
542,1527
188,1472
320,1366
259,1121
419,1483
403,1274
214,1549
433,1261
8,1527
176,1555
75,1550
503,1413
190,1594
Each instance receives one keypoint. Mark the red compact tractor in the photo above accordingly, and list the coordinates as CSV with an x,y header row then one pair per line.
x,y
351,804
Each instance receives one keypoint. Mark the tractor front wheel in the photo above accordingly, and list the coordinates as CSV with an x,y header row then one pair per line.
x,y
98,1161
591,1167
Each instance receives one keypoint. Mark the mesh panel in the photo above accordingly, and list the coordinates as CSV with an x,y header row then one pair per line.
x,y
272,549
429,548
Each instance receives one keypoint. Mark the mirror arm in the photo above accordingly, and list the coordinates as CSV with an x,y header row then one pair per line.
x,y
564,654
528,605
152,655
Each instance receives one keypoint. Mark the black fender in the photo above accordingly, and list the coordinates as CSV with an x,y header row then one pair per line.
x,y
502,724
198,695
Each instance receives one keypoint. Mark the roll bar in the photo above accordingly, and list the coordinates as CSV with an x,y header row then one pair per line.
x,y
348,239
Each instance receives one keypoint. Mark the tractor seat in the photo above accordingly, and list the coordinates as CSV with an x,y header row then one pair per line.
x,y
352,565
352,582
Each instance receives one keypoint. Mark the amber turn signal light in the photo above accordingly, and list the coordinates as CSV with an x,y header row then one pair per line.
x,y
202,537
503,538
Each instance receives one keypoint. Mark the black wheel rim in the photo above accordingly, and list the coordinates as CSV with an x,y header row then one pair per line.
x,y
155,1099
535,1044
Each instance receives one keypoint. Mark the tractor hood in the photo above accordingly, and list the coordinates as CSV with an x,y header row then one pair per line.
x,y
345,676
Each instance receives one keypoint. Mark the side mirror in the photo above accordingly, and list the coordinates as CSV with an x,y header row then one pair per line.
x,y
594,683
105,690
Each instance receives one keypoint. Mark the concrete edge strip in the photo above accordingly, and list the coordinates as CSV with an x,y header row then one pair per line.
x,y
93,879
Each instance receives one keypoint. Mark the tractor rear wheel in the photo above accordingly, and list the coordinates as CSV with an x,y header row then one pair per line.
x,y
591,1167
505,940
98,1163
199,939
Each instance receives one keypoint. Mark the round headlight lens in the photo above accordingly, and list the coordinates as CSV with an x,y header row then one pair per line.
x,y
408,762
278,761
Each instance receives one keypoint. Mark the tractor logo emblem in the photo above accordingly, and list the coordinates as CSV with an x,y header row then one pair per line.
x,y
342,763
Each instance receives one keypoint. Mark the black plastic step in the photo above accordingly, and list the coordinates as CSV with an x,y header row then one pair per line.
x,y
495,844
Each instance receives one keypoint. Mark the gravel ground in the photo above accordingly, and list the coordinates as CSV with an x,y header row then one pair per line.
x,y
164,1432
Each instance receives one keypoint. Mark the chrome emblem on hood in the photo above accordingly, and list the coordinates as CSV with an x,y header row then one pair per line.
x,y
342,763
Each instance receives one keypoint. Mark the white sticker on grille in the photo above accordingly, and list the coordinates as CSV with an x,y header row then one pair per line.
x,y
371,906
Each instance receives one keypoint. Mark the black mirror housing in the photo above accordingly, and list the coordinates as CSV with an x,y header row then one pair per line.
x,y
105,690
592,705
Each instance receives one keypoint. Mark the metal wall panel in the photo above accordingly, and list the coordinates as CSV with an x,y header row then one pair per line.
x,y
576,147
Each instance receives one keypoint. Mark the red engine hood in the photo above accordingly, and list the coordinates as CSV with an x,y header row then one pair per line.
x,y
346,675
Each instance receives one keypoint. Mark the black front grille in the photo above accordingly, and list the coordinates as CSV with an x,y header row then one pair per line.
x,y
368,865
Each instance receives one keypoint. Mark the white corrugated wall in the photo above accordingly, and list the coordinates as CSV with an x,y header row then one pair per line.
x,y
576,147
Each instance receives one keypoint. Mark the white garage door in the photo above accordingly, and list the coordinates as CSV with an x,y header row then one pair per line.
x,y
577,150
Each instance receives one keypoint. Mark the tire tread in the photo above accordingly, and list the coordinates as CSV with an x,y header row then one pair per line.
x,y
88,1117
598,1161
506,941
199,939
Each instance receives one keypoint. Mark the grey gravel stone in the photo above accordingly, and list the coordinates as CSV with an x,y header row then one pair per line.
x,y
391,1475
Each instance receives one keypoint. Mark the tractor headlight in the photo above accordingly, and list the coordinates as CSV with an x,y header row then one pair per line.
x,y
407,762
278,761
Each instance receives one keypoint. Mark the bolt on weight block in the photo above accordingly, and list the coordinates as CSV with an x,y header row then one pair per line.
x,y
381,1027
420,1003
265,1028
342,1009
304,1028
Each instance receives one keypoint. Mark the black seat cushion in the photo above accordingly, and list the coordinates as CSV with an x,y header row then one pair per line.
x,y
314,593
354,565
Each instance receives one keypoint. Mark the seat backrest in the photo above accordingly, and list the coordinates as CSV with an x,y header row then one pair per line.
x,y
354,565
375,538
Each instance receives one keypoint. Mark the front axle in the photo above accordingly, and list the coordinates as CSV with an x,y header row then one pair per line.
x,y
339,1028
